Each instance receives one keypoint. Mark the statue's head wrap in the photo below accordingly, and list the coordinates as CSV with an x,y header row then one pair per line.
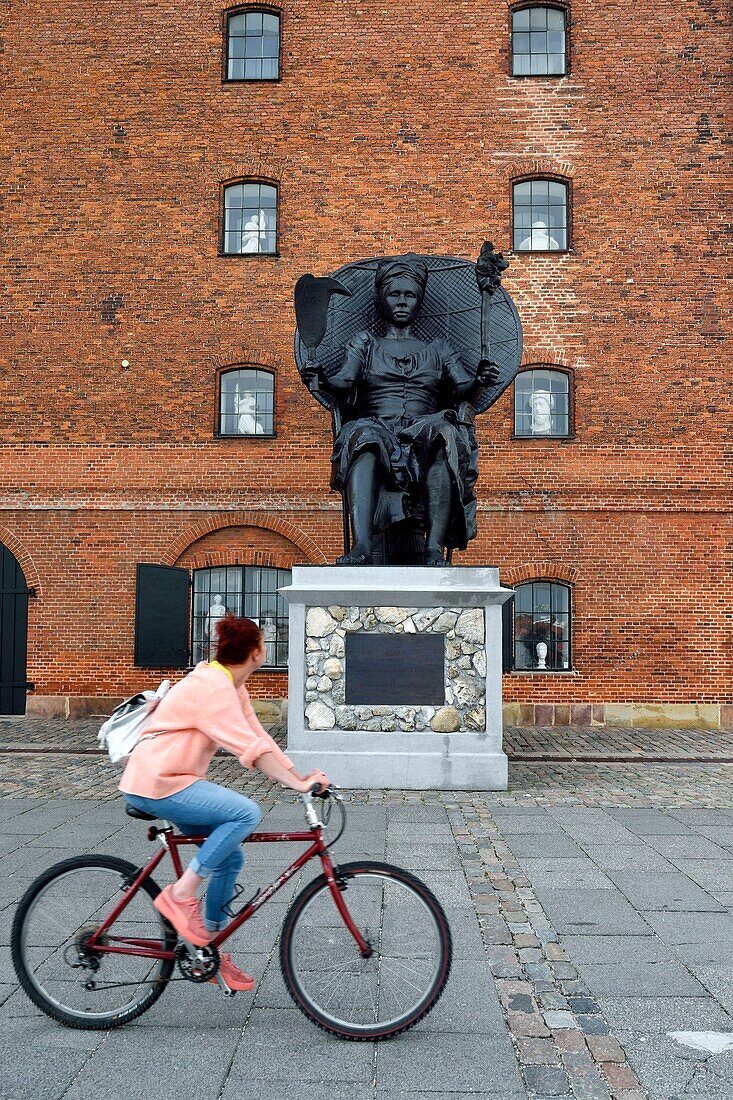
x,y
410,266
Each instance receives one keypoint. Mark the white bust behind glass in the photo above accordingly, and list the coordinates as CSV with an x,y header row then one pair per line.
x,y
542,404
245,407
539,239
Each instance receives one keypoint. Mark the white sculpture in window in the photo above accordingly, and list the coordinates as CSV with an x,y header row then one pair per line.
x,y
217,611
540,239
245,406
542,408
253,234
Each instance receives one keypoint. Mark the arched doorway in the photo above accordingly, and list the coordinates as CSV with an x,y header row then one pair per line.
x,y
14,595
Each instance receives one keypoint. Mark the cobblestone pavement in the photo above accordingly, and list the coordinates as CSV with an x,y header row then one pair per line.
x,y
582,743
592,903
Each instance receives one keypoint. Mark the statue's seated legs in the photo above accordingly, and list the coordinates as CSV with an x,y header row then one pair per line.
x,y
438,495
363,487
361,492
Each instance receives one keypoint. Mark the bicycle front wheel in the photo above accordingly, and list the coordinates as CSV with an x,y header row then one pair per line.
x,y
409,937
57,915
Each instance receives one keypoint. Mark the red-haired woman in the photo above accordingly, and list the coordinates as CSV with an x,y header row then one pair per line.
x,y
210,708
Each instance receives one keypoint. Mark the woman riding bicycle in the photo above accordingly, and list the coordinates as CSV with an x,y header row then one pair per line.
x,y
210,708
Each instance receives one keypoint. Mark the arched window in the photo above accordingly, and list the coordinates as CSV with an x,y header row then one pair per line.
x,y
542,626
540,216
542,403
250,219
244,590
538,42
246,402
253,45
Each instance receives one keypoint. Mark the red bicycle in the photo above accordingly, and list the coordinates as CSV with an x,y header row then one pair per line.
x,y
365,948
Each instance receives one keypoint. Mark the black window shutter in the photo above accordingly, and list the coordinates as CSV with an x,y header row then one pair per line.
x,y
507,635
161,617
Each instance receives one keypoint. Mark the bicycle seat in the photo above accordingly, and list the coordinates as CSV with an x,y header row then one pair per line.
x,y
139,813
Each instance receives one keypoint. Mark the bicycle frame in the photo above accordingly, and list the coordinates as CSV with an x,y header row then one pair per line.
x,y
122,945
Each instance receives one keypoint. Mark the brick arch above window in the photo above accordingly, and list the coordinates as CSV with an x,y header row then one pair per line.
x,y
256,357
514,5
309,551
12,543
517,171
539,571
549,359
254,166
241,546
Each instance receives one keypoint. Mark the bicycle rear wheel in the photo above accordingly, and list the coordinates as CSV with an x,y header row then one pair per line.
x,y
383,995
58,912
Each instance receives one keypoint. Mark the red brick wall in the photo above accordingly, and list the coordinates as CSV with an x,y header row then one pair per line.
x,y
393,128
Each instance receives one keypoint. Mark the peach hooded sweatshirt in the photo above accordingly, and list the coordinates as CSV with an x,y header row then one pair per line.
x,y
201,713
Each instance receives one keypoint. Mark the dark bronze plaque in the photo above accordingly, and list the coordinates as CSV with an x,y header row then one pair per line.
x,y
395,669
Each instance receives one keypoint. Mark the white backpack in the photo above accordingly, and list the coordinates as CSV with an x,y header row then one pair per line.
x,y
125,725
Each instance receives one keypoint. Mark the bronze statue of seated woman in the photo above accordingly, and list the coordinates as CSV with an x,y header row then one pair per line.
x,y
405,450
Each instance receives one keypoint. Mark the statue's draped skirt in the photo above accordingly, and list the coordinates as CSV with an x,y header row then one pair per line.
x,y
406,444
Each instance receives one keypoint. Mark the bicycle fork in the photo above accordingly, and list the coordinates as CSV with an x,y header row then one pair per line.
x,y
337,884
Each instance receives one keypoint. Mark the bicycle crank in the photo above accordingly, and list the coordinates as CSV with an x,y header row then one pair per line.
x,y
197,964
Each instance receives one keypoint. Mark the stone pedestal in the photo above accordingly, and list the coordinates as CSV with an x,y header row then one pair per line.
x,y
430,716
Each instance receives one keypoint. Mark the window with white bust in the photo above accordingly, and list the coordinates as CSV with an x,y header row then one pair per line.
x,y
246,402
240,590
250,219
542,627
540,221
542,404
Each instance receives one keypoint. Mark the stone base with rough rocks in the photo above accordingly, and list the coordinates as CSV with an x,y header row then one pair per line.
x,y
453,745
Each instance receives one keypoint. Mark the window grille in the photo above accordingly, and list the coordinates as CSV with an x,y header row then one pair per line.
x,y
540,216
250,219
253,46
542,404
542,626
247,590
538,42
246,403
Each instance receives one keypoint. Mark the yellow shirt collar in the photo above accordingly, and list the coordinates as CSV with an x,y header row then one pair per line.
x,y
221,668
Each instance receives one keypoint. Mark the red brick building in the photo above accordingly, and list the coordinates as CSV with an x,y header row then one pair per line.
x,y
172,169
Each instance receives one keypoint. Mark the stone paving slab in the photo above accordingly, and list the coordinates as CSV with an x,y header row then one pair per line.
x,y
584,1010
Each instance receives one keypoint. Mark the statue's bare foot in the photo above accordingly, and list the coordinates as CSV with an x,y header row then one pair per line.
x,y
355,557
434,556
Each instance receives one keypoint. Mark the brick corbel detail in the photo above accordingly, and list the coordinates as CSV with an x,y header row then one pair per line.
x,y
245,519
25,561
539,571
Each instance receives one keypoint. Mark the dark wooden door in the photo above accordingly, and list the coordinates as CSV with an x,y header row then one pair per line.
x,y
14,593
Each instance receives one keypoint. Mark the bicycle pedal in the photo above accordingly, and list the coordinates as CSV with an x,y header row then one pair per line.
x,y
224,987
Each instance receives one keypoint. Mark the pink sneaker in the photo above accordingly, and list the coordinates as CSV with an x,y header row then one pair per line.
x,y
185,916
233,976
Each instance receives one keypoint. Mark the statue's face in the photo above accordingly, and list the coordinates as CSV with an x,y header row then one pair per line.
x,y
401,300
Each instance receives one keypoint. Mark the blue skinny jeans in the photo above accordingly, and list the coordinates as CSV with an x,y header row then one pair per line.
x,y
225,818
